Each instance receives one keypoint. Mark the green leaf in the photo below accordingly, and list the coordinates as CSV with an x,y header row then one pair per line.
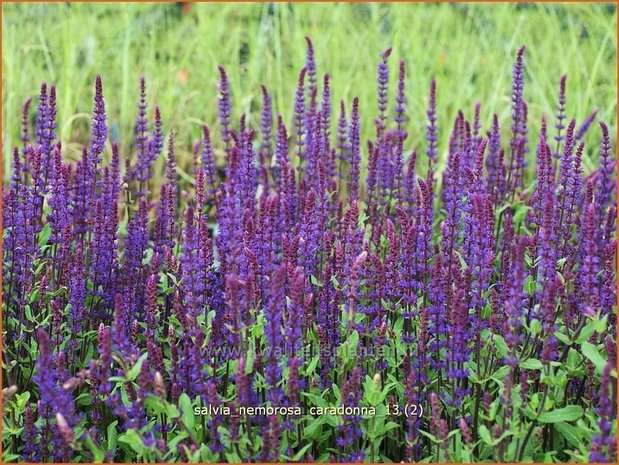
x,y
46,231
39,268
135,370
122,228
84,399
172,411
486,311
569,413
249,363
586,332
28,312
431,437
500,344
548,457
310,430
98,453
34,295
148,256
461,259
573,359
353,341
536,327
528,260
112,435
156,404
563,338
569,432
172,443
362,218
531,364
21,400
529,285
258,328
372,393
232,457
600,324
389,426
133,440
318,400
485,435
312,366
299,455
592,353
336,392
529,412
520,212
331,420
209,318
186,410
8,457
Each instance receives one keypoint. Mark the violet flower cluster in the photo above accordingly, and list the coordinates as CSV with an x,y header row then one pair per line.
x,y
294,265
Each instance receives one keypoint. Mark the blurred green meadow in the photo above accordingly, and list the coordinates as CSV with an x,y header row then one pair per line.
x,y
469,48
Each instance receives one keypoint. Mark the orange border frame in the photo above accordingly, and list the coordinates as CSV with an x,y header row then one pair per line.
x,y
294,1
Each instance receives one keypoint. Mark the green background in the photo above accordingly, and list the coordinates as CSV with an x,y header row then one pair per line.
x,y
469,48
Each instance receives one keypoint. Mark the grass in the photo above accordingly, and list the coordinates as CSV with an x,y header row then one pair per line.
x,y
469,48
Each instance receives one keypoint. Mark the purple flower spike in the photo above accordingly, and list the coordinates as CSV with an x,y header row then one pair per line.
x,y
310,65
585,125
559,126
141,123
476,124
24,137
99,126
224,107
299,115
604,446
266,125
355,151
400,100
492,161
383,90
431,129
518,125
350,430
30,448
273,331
605,185
208,160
